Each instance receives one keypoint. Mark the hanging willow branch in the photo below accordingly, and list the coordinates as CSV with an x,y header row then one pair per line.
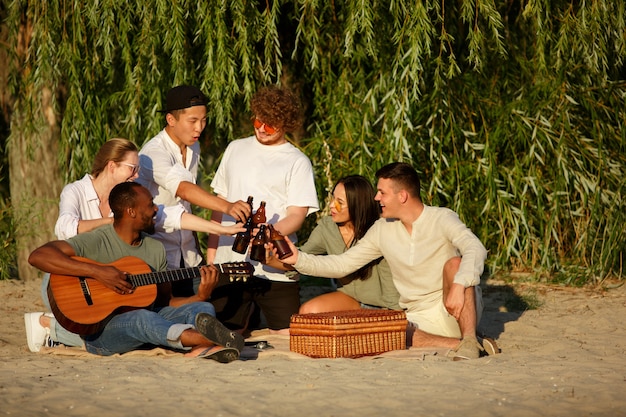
x,y
511,110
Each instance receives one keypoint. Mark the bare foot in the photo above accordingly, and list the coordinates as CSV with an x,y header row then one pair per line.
x,y
197,350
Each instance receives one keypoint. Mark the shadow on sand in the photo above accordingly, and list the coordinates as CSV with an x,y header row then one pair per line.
x,y
503,304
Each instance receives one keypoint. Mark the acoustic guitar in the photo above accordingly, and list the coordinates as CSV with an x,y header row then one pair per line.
x,y
83,305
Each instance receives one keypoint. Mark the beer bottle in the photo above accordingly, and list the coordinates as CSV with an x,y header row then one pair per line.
x,y
257,252
250,198
242,239
259,216
280,244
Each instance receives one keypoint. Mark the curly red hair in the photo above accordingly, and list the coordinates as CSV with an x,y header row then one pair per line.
x,y
278,107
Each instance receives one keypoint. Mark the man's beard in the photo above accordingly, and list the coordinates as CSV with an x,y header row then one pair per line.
x,y
149,228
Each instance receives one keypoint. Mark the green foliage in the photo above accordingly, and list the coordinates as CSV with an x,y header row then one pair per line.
x,y
513,112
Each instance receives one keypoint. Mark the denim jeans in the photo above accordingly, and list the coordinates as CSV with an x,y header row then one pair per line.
x,y
134,329
57,332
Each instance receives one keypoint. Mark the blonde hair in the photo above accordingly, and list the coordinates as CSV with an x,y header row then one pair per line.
x,y
113,150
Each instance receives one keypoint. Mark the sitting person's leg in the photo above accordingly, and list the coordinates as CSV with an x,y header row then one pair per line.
x,y
186,313
333,301
434,326
233,303
467,319
471,314
202,315
44,325
134,329
278,304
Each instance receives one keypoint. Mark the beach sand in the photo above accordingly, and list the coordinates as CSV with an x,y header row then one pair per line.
x,y
565,358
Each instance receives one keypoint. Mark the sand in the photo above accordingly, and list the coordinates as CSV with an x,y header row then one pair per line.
x,y
565,358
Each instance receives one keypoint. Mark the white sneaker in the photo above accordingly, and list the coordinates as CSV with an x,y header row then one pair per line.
x,y
37,336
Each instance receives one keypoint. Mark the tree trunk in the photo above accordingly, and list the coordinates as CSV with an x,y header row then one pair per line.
x,y
35,179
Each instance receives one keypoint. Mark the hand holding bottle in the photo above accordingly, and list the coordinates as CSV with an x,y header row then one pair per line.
x,y
272,260
242,239
239,210
278,240
291,259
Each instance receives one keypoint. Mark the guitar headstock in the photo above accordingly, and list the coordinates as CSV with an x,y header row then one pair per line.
x,y
237,271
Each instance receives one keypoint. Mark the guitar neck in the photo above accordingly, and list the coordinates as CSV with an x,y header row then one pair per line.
x,y
172,275
139,280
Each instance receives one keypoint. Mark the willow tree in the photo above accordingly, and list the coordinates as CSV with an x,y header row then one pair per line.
x,y
513,111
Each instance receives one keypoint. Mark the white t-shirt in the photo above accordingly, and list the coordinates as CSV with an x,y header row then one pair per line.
x,y
280,175
162,170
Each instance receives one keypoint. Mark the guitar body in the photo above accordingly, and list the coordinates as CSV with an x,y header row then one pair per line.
x,y
84,305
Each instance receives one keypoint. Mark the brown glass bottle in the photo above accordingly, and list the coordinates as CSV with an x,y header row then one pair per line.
x,y
280,244
259,216
242,239
257,252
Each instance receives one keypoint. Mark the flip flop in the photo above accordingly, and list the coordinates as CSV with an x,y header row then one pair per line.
x,y
217,333
490,346
220,354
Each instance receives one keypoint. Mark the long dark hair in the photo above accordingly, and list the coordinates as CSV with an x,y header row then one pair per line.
x,y
362,207
363,211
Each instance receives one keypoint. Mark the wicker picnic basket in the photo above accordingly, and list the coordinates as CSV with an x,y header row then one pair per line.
x,y
348,334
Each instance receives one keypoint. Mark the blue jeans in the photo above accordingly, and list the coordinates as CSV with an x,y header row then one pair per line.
x,y
134,329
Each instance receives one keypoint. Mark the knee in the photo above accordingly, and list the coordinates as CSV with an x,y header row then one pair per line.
x,y
451,267
199,307
208,308
307,308
315,306
143,315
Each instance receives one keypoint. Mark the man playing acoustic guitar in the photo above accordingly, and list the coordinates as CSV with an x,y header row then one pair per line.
x,y
122,316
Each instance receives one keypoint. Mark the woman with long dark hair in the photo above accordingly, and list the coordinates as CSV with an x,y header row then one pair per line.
x,y
353,210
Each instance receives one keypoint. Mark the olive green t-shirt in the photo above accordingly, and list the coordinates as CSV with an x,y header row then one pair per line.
x,y
103,245
376,290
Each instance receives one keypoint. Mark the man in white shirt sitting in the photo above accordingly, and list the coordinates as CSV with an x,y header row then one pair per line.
x,y
436,262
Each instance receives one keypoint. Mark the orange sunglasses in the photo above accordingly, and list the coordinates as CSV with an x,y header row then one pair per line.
x,y
268,129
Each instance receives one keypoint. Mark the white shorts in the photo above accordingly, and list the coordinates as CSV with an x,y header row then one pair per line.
x,y
436,319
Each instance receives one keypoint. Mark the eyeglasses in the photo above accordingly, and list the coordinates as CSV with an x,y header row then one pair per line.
x,y
268,129
134,168
337,204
